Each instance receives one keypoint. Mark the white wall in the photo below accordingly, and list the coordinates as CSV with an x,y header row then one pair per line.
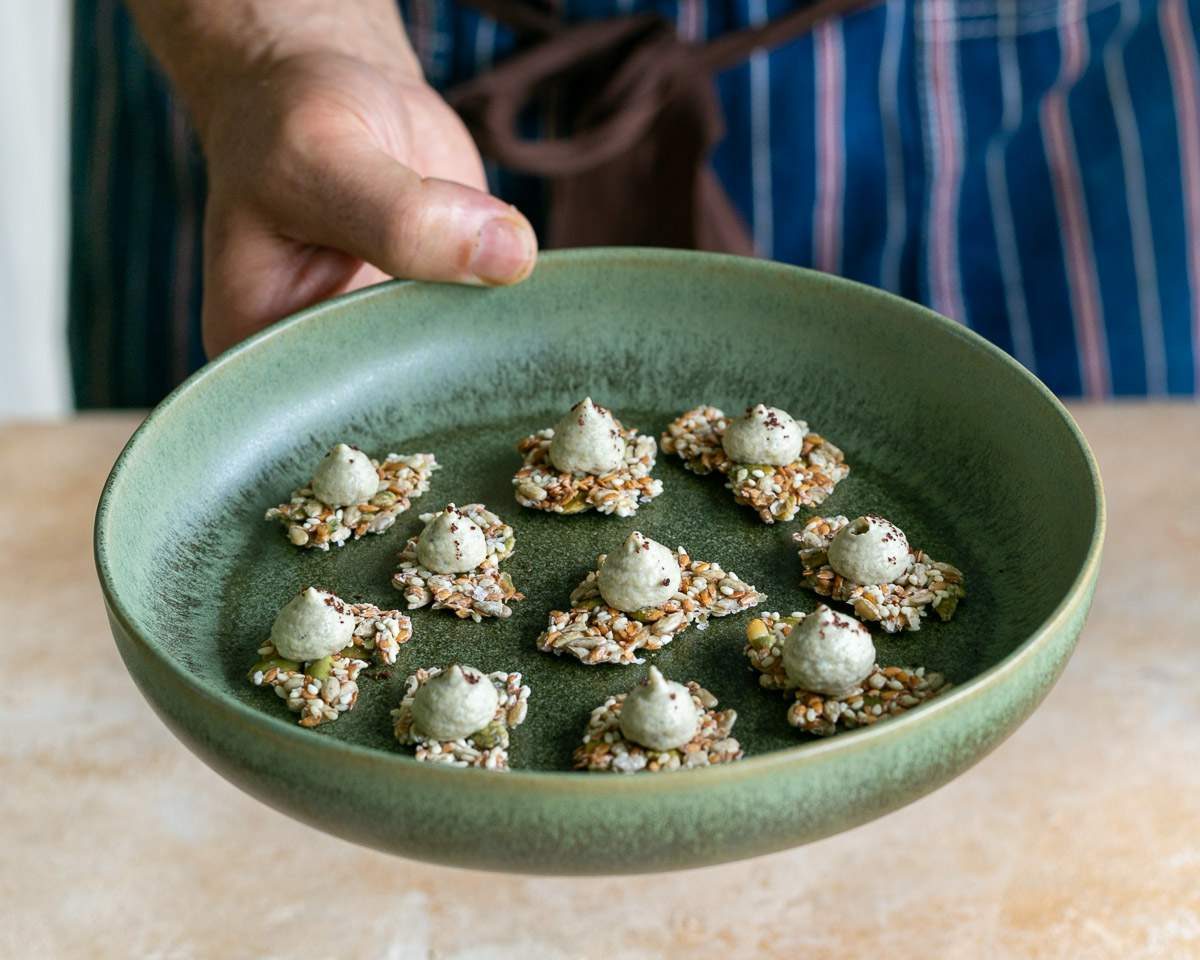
x,y
34,123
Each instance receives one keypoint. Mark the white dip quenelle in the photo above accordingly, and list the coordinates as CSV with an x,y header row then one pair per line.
x,y
828,652
870,550
640,573
659,714
456,703
587,440
451,543
312,625
345,477
765,435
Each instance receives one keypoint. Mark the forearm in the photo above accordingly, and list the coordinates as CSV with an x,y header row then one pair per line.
x,y
209,47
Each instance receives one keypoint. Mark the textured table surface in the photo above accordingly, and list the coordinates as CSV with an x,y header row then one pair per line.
x,y
1078,838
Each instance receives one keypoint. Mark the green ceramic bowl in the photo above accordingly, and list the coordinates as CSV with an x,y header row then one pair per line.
x,y
946,435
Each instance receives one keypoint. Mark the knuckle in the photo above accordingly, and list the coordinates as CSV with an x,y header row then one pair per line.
x,y
401,238
302,147
406,231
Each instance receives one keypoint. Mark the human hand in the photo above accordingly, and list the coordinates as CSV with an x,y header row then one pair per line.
x,y
328,173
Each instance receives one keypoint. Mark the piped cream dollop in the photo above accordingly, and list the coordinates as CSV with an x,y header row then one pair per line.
x,y
312,625
659,714
345,477
870,550
640,573
451,543
587,440
828,652
456,703
764,435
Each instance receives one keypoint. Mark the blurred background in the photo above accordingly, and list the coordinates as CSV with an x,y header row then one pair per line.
x,y
35,40
1061,223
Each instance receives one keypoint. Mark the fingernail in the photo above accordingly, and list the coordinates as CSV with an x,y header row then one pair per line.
x,y
502,252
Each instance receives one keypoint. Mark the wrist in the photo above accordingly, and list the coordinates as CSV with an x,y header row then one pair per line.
x,y
215,52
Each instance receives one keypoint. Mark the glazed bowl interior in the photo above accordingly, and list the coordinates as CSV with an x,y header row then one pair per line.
x,y
944,434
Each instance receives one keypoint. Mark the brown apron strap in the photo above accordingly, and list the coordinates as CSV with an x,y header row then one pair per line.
x,y
725,51
648,116
491,102
631,97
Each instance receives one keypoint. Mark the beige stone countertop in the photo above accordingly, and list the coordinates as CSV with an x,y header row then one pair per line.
x,y
1078,838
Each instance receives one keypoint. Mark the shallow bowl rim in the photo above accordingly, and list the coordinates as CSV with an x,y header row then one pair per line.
x,y
794,757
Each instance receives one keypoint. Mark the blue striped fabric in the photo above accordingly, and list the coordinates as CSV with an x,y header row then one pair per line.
x,y
1031,168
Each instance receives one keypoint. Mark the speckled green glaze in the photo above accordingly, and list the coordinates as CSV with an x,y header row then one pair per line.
x,y
946,435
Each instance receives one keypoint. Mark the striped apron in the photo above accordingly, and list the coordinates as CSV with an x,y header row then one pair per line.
x,y
1030,168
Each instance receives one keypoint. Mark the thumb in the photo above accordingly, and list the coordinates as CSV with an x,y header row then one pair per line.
x,y
379,210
